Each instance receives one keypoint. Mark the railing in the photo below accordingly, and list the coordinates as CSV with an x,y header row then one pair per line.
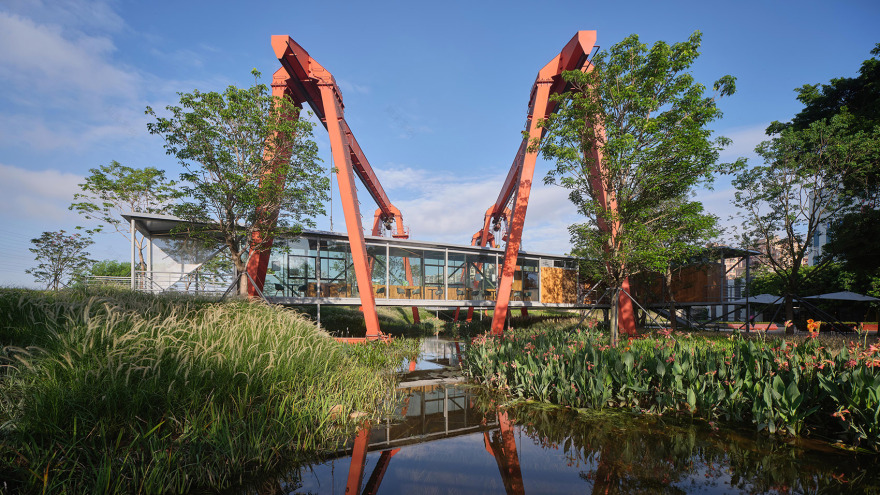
x,y
189,283
105,281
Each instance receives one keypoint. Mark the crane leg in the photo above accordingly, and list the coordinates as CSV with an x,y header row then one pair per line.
x,y
348,196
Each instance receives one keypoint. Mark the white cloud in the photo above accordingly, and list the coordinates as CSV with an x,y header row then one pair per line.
x,y
37,133
450,208
80,14
37,195
45,63
350,87
745,139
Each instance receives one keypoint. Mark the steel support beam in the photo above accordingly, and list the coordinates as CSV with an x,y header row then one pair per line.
x,y
348,197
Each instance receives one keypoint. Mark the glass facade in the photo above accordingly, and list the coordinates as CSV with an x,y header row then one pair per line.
x,y
321,266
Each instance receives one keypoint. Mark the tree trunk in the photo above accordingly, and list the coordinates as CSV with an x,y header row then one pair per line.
x,y
242,283
673,318
615,303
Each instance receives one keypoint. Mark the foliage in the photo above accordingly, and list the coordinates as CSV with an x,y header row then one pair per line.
x,y
631,142
120,392
252,170
799,187
61,257
812,280
110,268
849,243
779,386
114,189
859,98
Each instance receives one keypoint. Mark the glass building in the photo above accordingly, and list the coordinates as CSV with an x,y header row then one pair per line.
x,y
316,267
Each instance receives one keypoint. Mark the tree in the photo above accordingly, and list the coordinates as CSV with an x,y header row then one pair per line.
x,y
813,280
110,268
251,168
800,186
114,189
61,257
850,243
632,131
859,99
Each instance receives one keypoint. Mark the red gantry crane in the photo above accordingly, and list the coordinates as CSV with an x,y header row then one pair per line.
x,y
304,80
518,184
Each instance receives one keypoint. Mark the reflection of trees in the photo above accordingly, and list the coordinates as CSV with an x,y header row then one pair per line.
x,y
624,453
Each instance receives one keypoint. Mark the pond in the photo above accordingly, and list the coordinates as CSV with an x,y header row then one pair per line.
x,y
450,437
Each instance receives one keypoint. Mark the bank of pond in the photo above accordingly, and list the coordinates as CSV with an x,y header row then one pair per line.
x,y
107,391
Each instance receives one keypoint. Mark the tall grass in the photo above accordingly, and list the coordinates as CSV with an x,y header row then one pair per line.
x,y
112,391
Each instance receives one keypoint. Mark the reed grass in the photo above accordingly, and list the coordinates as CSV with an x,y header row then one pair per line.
x,y
108,391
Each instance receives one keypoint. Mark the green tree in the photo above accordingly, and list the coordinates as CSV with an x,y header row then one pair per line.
x,y
114,189
858,98
252,170
852,243
634,130
812,280
800,186
110,268
61,257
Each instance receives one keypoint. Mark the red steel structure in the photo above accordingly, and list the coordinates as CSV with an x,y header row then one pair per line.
x,y
304,80
518,184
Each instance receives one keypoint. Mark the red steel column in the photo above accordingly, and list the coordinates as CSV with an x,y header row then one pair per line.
x,y
518,218
348,196
258,263
626,318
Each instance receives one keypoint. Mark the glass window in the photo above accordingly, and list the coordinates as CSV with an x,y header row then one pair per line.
x,y
457,276
302,272
337,270
482,276
405,273
378,263
434,263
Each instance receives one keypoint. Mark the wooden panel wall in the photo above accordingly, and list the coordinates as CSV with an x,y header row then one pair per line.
x,y
558,285
691,284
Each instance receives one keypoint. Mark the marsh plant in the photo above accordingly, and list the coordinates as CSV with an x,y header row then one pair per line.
x,y
114,391
780,386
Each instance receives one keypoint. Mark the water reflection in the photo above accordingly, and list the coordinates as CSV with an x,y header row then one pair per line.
x,y
452,438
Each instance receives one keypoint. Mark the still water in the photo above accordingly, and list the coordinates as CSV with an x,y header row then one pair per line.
x,y
448,437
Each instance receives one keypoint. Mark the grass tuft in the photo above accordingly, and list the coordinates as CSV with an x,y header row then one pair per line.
x,y
104,390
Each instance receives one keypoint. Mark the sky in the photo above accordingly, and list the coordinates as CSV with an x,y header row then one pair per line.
x,y
435,92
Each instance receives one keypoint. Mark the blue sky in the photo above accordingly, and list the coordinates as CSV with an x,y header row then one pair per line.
x,y
436,93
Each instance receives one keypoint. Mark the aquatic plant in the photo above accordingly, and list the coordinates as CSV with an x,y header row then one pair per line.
x,y
779,386
113,391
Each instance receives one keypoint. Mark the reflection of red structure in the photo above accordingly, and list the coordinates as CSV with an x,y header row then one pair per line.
x,y
503,449
501,445
304,80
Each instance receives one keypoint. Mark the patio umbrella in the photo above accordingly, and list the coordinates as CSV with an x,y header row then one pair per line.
x,y
844,296
759,299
